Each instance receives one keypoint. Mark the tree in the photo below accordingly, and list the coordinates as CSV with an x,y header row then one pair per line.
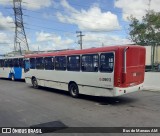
x,y
146,32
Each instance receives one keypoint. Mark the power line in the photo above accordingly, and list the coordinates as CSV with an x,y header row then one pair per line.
x,y
58,21
63,30
80,5
67,31
63,22
103,36
73,19
83,6
49,28
6,43
36,18
87,6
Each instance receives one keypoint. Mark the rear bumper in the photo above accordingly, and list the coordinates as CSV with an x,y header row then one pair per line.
x,y
121,91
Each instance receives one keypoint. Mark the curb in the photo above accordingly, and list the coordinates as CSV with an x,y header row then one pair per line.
x,y
152,90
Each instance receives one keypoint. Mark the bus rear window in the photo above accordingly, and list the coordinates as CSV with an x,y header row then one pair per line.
x,y
106,62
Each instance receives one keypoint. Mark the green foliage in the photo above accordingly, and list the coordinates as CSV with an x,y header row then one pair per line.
x,y
146,31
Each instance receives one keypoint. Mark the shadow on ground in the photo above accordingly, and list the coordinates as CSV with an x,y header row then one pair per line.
x,y
121,100
16,80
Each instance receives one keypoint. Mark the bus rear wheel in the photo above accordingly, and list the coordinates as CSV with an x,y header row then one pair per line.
x,y
73,89
35,83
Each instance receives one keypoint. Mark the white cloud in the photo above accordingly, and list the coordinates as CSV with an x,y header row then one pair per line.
x,y
5,2
3,38
6,23
48,41
6,43
94,40
30,4
137,8
37,4
92,19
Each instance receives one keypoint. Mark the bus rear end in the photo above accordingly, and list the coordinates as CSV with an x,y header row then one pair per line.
x,y
130,75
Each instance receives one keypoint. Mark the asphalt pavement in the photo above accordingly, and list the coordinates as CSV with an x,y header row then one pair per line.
x,y
23,106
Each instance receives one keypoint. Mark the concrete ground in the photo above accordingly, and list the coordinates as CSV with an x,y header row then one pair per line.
x,y
23,106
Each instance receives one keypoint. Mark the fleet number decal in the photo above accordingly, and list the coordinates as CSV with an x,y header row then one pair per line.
x,y
105,79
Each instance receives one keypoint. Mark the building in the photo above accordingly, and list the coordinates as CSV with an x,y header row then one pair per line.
x,y
156,56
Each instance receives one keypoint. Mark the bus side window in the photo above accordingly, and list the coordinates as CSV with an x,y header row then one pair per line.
x,y
73,63
5,63
1,63
106,62
32,63
15,62
90,63
10,63
49,63
60,63
39,63
21,63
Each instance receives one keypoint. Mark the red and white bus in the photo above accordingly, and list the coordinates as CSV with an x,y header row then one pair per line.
x,y
105,71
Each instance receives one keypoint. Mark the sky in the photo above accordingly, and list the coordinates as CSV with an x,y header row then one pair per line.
x,y
52,24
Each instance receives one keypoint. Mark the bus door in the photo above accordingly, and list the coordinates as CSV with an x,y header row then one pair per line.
x,y
26,65
107,69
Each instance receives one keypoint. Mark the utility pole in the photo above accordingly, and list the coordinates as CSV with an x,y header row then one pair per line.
x,y
80,35
20,40
152,43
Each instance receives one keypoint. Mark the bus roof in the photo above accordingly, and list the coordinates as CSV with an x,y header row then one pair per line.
x,y
14,57
78,52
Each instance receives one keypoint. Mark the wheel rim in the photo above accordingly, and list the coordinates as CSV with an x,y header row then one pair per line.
x,y
35,83
74,90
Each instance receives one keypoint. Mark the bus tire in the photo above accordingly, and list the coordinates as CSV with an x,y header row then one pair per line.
x,y
35,83
12,77
73,90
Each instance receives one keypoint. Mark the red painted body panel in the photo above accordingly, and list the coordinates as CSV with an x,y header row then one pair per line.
x,y
135,67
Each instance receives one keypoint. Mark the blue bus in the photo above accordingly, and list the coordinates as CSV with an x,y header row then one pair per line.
x,y
12,67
